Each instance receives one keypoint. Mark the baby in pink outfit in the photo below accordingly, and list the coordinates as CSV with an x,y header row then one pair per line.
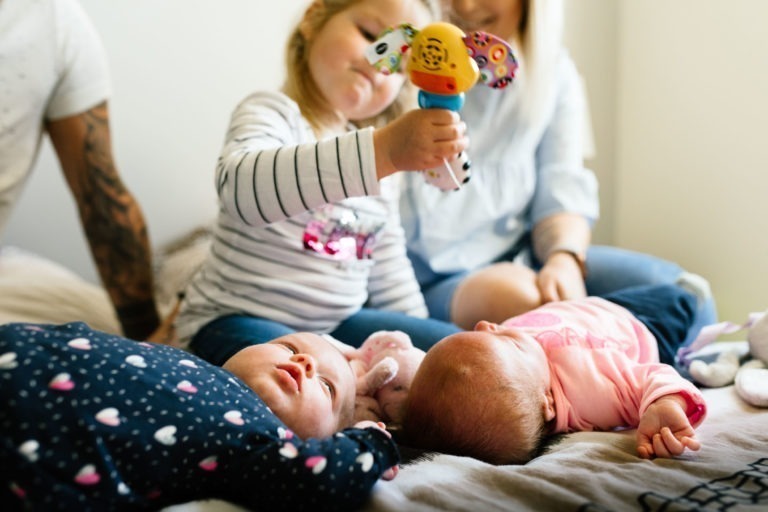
x,y
589,364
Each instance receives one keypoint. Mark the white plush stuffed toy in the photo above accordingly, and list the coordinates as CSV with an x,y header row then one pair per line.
x,y
385,365
750,378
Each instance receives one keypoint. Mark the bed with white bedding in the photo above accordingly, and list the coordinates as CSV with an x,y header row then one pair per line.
x,y
599,471
586,471
592,472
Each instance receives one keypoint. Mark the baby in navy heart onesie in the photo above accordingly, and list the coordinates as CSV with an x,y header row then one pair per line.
x,y
94,421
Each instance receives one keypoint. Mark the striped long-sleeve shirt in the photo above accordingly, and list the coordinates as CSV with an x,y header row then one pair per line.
x,y
305,235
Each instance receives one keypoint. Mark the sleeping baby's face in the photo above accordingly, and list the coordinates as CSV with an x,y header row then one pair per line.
x,y
303,379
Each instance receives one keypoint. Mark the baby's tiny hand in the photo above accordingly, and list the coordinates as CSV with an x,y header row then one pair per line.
x,y
666,444
375,424
392,472
664,429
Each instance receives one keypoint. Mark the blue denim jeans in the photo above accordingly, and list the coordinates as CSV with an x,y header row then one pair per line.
x,y
667,310
220,339
610,269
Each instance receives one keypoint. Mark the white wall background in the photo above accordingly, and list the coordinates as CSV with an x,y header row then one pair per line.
x,y
692,154
679,106
677,98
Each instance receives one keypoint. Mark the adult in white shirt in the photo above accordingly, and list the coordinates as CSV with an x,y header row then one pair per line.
x,y
54,79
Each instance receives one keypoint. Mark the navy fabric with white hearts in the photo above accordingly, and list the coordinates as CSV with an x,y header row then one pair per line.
x,y
93,421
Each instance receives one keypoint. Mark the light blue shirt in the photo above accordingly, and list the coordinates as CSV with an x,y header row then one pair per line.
x,y
521,173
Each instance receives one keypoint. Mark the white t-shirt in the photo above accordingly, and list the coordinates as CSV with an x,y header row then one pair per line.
x,y
52,66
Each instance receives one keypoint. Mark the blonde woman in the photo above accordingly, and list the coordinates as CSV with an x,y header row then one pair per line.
x,y
518,234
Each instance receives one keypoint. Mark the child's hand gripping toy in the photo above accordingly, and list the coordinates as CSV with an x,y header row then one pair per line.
x,y
444,63
385,365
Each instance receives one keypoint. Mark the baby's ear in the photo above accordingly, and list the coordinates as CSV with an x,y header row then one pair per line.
x,y
549,406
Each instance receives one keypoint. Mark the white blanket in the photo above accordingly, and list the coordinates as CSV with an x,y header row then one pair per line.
x,y
599,471
593,472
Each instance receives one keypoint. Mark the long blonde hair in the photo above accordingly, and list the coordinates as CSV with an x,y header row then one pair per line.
x,y
540,43
301,87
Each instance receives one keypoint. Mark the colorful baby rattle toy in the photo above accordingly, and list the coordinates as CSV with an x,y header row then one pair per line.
x,y
445,62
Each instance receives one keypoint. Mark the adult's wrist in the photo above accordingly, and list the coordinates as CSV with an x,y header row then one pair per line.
x,y
138,320
577,255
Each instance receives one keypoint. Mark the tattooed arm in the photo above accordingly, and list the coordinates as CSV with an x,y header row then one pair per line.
x,y
111,218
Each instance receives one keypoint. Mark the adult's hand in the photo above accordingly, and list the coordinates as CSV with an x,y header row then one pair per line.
x,y
561,278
